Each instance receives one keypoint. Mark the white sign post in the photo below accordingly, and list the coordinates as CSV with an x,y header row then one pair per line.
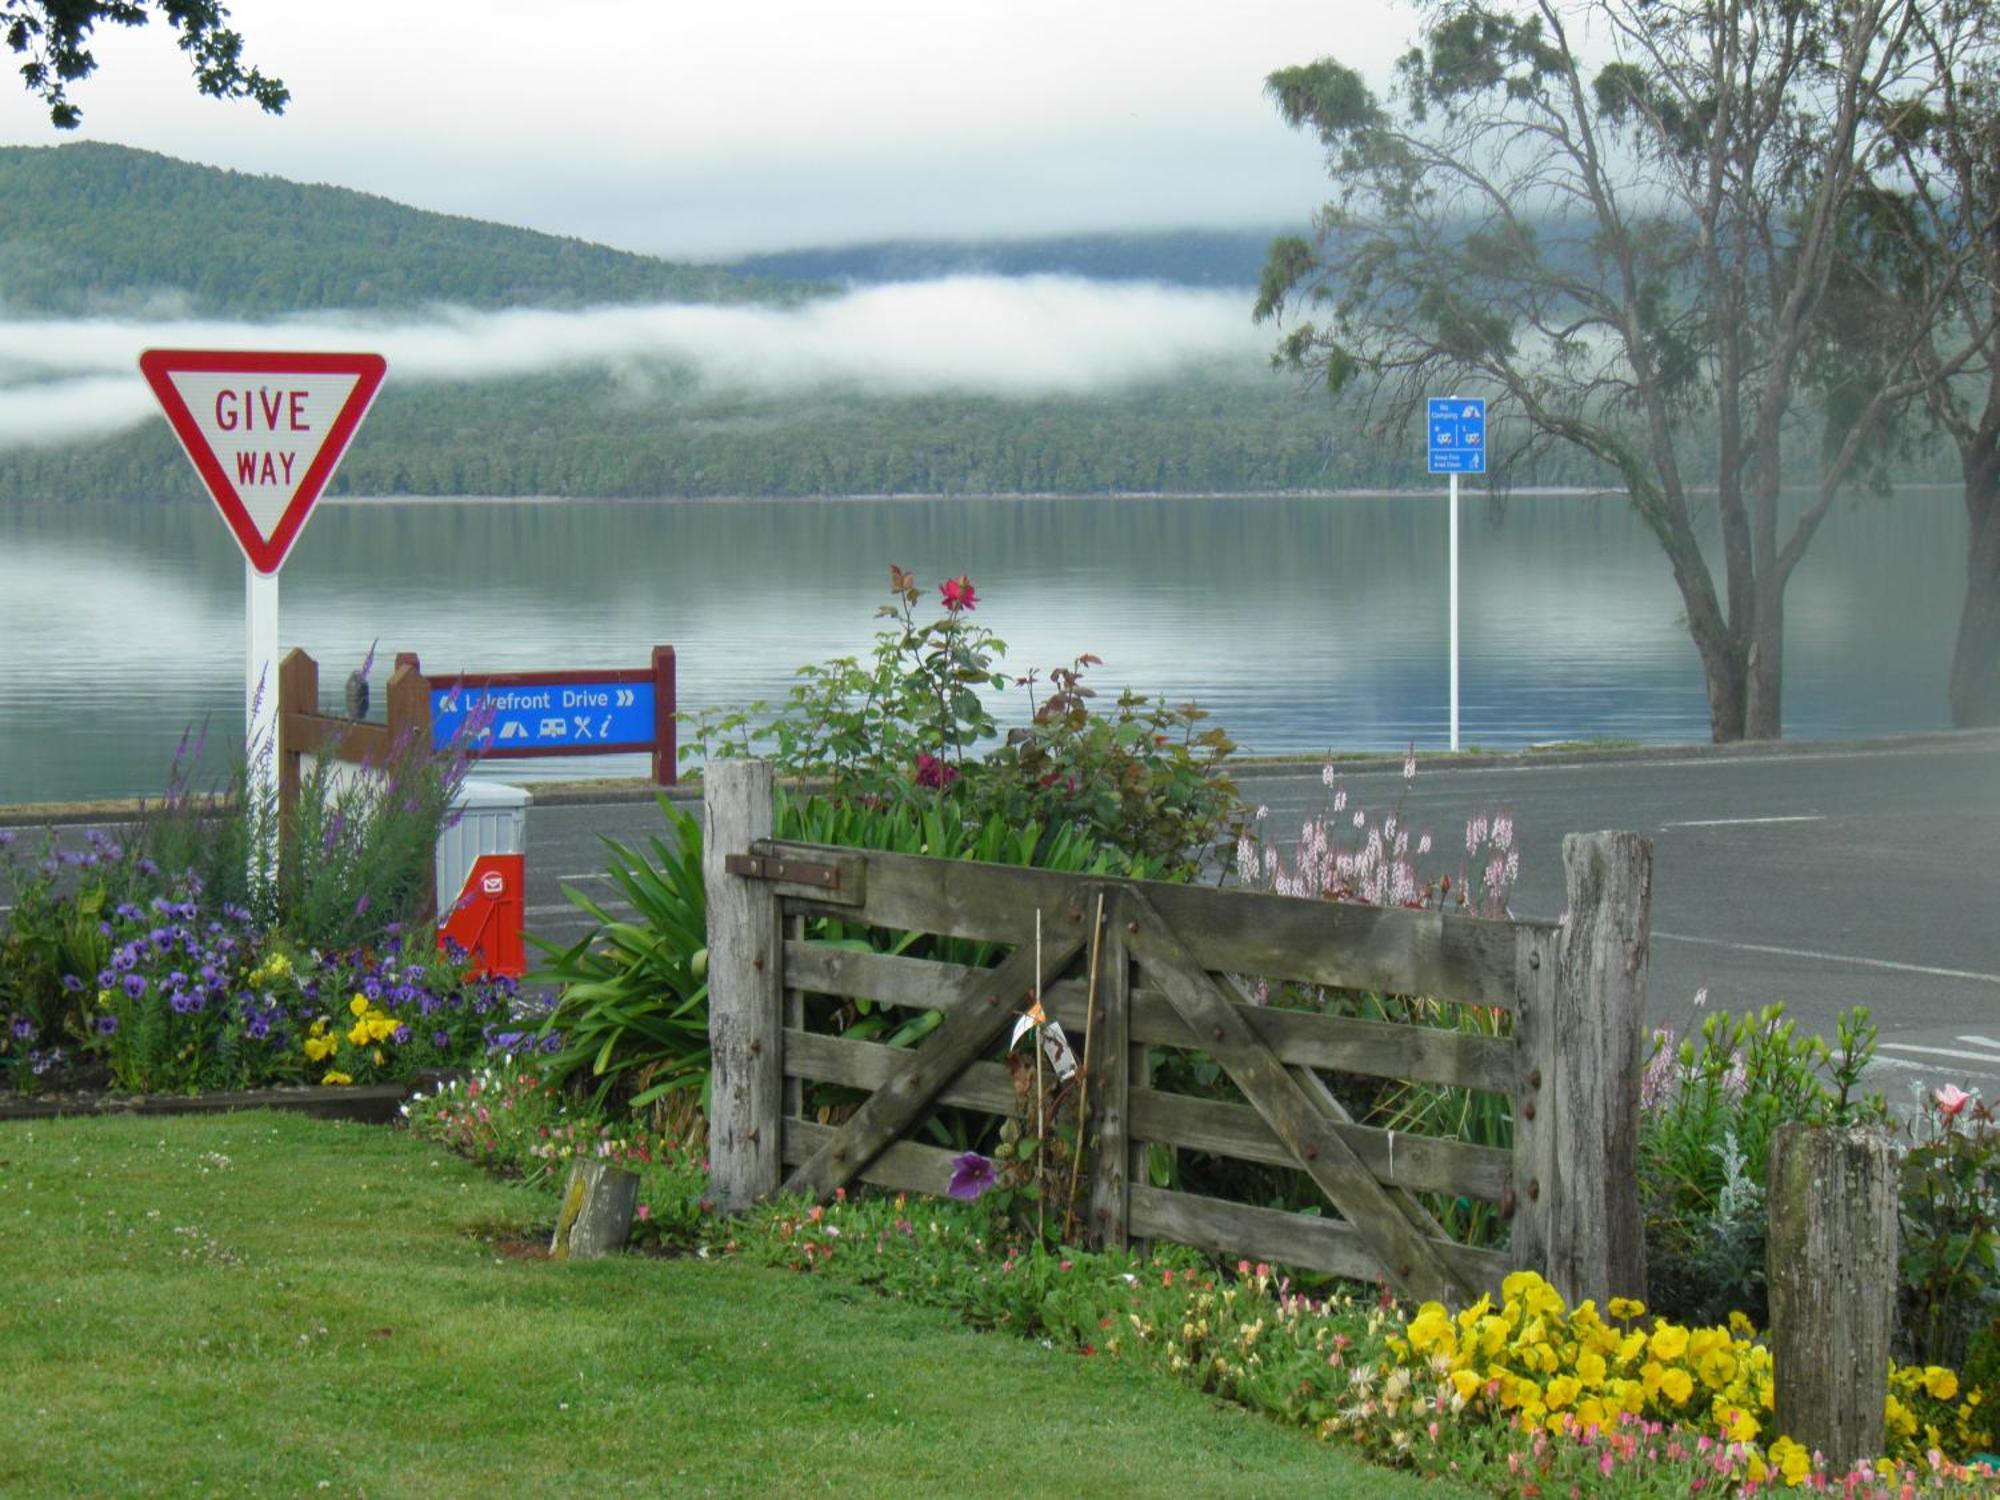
x,y
264,431
1457,446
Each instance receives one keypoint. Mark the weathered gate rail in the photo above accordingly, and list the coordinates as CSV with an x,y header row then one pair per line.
x,y
1570,1068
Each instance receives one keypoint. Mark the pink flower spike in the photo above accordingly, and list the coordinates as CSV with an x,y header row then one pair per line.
x,y
1950,1100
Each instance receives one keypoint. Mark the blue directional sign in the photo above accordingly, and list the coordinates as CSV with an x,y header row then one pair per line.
x,y
1457,435
579,717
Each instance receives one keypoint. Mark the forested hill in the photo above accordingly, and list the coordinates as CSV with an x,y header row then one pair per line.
x,y
1182,257
93,228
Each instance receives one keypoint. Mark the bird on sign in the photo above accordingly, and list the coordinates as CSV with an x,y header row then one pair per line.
x,y
357,684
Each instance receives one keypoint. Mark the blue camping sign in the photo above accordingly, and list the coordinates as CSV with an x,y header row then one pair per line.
x,y
1457,435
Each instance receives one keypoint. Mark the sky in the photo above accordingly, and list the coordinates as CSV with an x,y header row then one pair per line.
x,y
707,130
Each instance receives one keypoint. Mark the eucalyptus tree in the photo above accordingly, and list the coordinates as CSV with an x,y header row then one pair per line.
x,y
1924,256
53,39
1620,219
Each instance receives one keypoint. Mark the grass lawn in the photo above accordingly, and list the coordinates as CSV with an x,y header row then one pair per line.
x,y
259,1304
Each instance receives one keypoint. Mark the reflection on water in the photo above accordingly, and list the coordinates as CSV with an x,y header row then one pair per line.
x,y
1300,623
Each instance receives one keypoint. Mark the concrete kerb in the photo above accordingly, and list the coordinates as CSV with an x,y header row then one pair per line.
x,y
688,793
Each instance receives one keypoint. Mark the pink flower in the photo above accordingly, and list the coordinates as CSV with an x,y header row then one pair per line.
x,y
645,1211
933,772
1950,1100
958,593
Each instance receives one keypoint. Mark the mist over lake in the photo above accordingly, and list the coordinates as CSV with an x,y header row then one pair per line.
x,y
1300,623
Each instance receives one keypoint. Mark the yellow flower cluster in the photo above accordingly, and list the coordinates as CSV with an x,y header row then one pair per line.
x,y
319,1045
1535,1358
1554,1367
1921,1414
277,966
371,1026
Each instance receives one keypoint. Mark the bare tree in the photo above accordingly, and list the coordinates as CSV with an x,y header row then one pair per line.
x,y
1620,219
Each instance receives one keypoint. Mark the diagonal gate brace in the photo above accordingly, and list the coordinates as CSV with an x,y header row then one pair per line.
x,y
1411,1261
977,1014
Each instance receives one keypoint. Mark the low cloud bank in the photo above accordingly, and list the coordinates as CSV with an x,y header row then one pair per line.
x,y
65,380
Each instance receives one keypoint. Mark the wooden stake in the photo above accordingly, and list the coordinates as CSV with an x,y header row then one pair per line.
x,y
1041,1124
1083,1086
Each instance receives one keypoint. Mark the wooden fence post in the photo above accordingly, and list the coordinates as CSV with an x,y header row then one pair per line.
x,y
298,693
597,1208
745,990
1830,1263
1593,1055
666,718
1111,1089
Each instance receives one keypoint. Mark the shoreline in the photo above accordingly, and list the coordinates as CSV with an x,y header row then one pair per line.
x,y
1548,756
1558,492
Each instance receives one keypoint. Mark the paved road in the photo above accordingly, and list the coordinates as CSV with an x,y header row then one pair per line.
x,y
1822,876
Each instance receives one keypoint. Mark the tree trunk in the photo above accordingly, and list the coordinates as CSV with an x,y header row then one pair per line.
x,y
1723,676
1975,660
1763,716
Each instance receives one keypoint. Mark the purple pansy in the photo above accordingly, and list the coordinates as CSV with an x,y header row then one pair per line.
x,y
971,1175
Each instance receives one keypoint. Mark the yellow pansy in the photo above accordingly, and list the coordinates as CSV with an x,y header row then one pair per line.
x,y
1792,1460
1940,1382
358,1005
1677,1385
1669,1341
334,1075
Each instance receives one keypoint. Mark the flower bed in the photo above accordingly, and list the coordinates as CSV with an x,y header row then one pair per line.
x,y
1520,1397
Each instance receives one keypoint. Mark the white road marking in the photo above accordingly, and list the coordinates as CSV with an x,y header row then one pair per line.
x,y
1952,1052
1982,1041
1831,958
1744,822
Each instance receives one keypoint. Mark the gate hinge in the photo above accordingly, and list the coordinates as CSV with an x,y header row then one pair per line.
x,y
795,871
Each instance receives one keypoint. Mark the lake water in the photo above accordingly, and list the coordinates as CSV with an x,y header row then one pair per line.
x,y
1302,624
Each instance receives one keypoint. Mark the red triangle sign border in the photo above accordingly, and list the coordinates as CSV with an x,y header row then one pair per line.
x,y
265,553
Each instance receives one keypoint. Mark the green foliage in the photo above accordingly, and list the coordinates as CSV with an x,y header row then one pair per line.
x,y
1950,1253
1712,1105
633,1008
54,36
1146,780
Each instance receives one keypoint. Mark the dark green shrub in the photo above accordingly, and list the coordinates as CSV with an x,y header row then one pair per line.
x,y
1145,779
1710,1106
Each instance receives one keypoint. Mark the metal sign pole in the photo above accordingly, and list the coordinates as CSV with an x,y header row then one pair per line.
x,y
1454,610
260,720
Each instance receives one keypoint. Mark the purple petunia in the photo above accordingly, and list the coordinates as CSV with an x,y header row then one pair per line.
x,y
971,1175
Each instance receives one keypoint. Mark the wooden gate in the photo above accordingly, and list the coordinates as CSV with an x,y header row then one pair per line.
x,y
1172,962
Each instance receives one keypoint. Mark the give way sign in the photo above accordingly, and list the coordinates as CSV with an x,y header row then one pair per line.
x,y
264,430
